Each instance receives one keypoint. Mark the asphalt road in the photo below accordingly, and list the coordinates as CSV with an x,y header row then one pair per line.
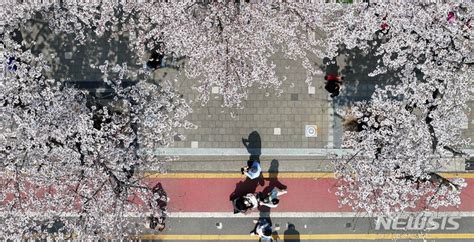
x,y
319,229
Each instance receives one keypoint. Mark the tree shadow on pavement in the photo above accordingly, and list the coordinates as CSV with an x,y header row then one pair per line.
x,y
77,64
357,84
70,60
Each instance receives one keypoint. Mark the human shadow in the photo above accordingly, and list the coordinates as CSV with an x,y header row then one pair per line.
x,y
253,144
244,187
273,182
291,234
273,176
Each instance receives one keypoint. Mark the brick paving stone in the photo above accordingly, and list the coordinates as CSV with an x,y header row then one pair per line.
x,y
291,111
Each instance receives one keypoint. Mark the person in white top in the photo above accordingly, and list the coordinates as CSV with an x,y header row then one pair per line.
x,y
245,204
272,199
251,200
263,229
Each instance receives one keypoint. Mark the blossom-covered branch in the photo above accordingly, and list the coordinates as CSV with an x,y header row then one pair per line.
x,y
72,160
409,129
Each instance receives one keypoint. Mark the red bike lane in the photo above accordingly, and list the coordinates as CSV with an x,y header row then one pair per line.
x,y
304,194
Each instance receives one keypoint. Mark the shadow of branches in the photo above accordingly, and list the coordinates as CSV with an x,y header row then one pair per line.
x,y
357,84
74,63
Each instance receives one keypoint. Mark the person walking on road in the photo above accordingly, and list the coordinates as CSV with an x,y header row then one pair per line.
x,y
157,60
271,199
252,170
157,223
158,204
245,203
263,228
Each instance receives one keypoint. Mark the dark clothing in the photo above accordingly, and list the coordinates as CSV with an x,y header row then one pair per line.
x,y
263,229
333,87
244,203
155,221
239,206
333,83
155,61
11,64
162,197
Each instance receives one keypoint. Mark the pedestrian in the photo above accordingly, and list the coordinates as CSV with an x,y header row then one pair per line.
x,y
333,77
160,197
245,203
155,61
263,228
451,17
11,66
252,170
158,204
271,199
384,27
157,222
333,83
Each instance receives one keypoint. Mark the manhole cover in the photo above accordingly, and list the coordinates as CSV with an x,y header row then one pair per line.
x,y
311,131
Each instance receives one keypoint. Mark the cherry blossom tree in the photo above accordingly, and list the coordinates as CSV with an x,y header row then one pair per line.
x,y
230,44
226,44
71,163
410,129
401,136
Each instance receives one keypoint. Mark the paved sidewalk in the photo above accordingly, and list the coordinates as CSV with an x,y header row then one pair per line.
x,y
280,121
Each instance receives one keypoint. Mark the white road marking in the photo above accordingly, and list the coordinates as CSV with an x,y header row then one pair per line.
x,y
298,214
253,214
